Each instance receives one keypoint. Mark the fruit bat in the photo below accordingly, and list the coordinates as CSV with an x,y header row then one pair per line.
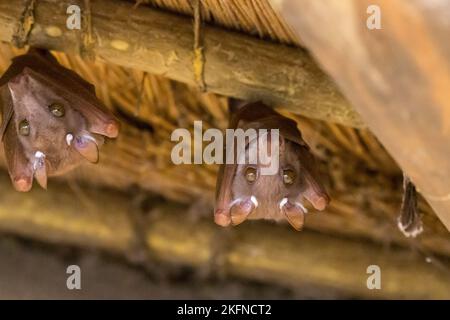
x,y
51,120
409,221
242,192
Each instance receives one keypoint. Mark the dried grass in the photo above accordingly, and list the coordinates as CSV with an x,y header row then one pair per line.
x,y
256,17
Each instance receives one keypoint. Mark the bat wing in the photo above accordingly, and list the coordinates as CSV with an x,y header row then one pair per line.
x,y
19,167
312,190
224,194
6,105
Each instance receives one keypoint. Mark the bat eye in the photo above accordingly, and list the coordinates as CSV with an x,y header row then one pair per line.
x,y
250,174
57,109
288,176
24,127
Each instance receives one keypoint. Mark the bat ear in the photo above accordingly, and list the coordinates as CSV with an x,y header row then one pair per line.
x,y
241,210
87,146
40,169
7,109
294,213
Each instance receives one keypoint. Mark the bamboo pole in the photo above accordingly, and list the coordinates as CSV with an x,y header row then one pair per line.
x,y
162,43
103,219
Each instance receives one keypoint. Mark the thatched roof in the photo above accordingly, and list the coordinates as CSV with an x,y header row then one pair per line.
x,y
257,18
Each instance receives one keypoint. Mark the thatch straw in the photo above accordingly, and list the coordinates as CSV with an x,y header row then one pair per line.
x,y
255,17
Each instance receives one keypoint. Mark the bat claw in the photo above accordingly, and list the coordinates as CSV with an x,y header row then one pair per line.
x,y
69,139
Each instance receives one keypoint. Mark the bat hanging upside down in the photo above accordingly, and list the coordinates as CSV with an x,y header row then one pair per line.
x,y
242,192
51,120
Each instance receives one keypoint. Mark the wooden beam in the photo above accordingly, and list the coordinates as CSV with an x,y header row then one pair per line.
x,y
162,43
397,77
103,219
